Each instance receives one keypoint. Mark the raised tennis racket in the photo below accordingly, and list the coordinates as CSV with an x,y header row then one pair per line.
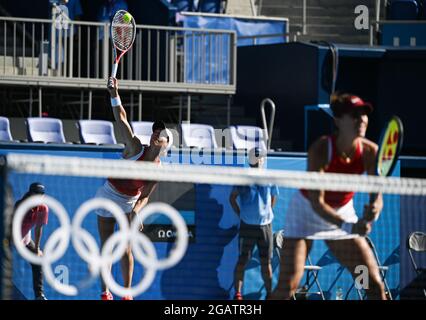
x,y
390,144
389,147
123,32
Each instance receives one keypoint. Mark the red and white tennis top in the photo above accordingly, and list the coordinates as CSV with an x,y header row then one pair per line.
x,y
337,164
37,216
130,187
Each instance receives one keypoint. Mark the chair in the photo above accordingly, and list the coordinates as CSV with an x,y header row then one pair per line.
x,y
96,132
198,135
403,10
47,130
247,137
382,268
210,6
143,130
5,134
278,241
417,242
383,272
311,270
183,5
422,9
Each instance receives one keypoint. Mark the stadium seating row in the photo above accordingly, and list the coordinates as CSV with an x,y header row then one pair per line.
x,y
406,10
209,6
100,132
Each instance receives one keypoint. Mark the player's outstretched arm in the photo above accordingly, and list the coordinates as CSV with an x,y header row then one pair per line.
x,y
120,115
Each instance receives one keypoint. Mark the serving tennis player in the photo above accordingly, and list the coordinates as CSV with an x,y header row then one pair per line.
x,y
130,195
331,216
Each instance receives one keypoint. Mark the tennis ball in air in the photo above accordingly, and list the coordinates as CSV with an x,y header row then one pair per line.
x,y
127,17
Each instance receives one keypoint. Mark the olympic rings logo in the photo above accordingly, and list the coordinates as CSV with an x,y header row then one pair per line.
x,y
99,261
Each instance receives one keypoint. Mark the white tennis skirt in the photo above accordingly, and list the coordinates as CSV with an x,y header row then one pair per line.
x,y
301,221
126,203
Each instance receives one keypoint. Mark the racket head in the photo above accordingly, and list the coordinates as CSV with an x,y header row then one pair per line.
x,y
389,147
123,32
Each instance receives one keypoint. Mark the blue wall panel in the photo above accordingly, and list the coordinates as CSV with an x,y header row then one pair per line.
x,y
206,271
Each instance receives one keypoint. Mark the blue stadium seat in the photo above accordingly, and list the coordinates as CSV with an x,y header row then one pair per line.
x,y
96,132
142,130
47,130
403,10
198,136
247,137
422,9
5,134
210,6
183,5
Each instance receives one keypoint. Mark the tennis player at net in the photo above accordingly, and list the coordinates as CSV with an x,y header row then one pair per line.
x,y
130,195
331,216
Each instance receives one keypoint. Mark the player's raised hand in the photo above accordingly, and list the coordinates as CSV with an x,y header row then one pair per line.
x,y
112,86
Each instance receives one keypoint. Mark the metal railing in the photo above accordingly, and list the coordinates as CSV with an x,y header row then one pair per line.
x,y
41,52
268,130
273,38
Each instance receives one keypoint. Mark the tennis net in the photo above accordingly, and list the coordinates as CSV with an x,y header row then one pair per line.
x,y
190,245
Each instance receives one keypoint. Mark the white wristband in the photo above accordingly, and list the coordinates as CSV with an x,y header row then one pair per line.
x,y
347,226
115,102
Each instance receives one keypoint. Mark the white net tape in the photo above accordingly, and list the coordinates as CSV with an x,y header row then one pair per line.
x,y
68,166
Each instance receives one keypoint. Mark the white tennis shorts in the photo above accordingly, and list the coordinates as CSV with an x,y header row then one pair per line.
x,y
126,203
302,221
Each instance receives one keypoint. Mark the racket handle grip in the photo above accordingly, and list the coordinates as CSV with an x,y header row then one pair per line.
x,y
114,70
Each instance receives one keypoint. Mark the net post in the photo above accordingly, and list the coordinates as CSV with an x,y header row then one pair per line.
x,y
5,236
